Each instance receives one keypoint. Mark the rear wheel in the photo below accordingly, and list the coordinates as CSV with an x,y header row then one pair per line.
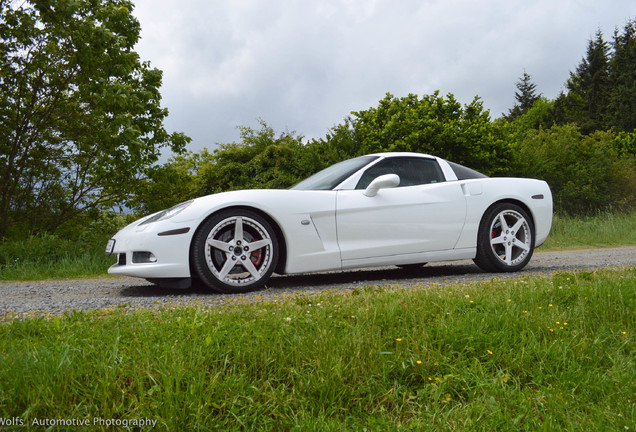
x,y
505,241
235,251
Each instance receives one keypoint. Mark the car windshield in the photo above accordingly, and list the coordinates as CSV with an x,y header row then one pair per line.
x,y
331,177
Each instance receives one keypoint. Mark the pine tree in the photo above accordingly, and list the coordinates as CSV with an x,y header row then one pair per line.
x,y
588,97
622,78
525,97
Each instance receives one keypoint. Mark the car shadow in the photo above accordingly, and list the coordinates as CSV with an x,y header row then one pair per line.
x,y
152,290
343,279
374,276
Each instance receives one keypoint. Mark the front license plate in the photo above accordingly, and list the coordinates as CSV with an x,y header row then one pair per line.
x,y
110,246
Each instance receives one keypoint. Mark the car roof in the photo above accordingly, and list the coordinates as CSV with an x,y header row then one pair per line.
x,y
394,154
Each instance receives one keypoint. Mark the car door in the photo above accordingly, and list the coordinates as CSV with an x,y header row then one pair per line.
x,y
423,214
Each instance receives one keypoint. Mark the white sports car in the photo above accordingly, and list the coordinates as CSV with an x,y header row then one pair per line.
x,y
376,210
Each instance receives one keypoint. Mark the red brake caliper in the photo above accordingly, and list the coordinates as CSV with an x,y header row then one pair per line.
x,y
257,257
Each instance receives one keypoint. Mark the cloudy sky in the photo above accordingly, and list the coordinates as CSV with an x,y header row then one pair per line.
x,y
305,65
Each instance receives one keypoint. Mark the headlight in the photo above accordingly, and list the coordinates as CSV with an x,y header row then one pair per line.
x,y
173,211
167,214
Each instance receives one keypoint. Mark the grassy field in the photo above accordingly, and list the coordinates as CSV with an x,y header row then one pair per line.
x,y
541,353
50,257
603,230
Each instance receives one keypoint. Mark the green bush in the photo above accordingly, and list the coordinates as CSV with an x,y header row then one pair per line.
x,y
36,250
625,144
76,251
585,172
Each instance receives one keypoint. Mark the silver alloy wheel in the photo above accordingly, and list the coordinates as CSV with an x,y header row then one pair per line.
x,y
510,237
238,251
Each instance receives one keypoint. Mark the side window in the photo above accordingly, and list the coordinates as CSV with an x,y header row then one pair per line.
x,y
412,171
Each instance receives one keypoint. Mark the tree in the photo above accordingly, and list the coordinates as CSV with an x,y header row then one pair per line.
x,y
259,161
80,114
539,116
622,79
525,97
436,125
586,102
168,184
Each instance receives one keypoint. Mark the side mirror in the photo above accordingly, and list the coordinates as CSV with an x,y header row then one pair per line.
x,y
382,182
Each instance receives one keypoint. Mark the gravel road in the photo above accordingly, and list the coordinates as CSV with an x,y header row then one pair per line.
x,y
20,298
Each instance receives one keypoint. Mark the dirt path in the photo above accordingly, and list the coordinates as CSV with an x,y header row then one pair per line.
x,y
19,298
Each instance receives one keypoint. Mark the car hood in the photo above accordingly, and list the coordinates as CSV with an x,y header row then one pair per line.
x,y
269,200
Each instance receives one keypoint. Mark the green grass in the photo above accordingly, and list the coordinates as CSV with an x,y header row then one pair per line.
x,y
51,257
602,230
540,353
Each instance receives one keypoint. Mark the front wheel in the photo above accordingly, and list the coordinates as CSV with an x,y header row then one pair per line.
x,y
505,241
235,251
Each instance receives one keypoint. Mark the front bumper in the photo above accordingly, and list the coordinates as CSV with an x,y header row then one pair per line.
x,y
154,250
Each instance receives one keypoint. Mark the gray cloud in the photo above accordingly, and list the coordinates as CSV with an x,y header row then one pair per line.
x,y
304,66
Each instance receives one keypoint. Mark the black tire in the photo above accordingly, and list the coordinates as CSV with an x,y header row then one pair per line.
x,y
505,241
235,251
